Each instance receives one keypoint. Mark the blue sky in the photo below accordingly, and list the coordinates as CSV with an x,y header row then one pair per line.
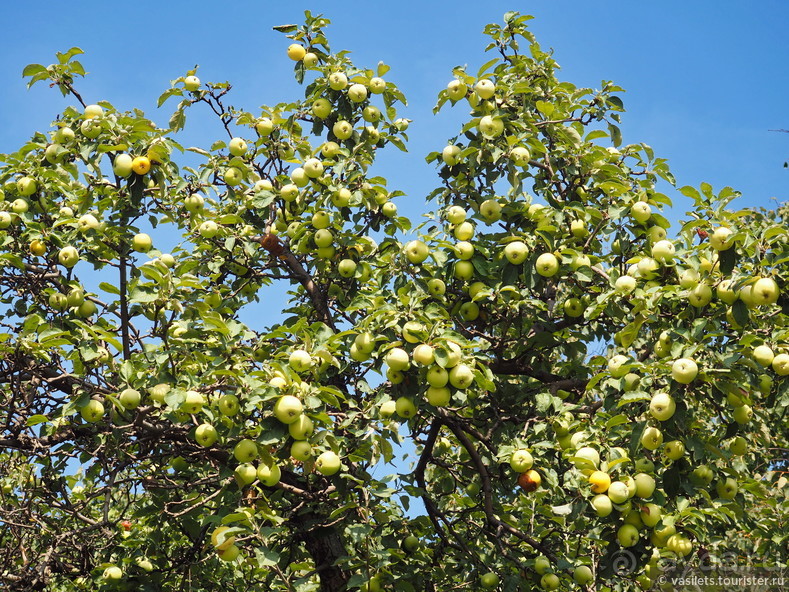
x,y
705,80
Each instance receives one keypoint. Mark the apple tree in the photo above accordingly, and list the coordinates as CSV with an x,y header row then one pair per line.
x,y
545,385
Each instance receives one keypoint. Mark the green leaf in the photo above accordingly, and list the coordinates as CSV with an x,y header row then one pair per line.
x,y
36,419
32,69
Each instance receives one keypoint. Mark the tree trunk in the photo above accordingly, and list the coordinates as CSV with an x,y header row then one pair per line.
x,y
325,546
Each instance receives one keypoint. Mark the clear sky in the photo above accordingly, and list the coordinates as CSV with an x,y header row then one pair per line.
x,y
706,80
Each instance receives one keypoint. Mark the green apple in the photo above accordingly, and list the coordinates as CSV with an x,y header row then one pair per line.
x,y
20,206
264,126
300,360
542,565
547,265
122,165
93,411
463,270
75,297
700,295
456,90
193,402
338,80
780,364
617,365
469,311
438,396
485,89
645,485
652,438
702,476
416,251
663,251
578,229
346,268
288,408
130,398
461,376
229,405
641,211
689,278
742,414
142,242
342,130
618,492
573,307
5,220
302,428
68,256
245,451
679,544
194,203
245,474
489,581
684,370
763,355
582,575
233,176
765,291
191,83
625,284
725,292
450,155
328,463
455,215
627,535
738,446
208,229
113,573
550,581
662,406
205,434
92,111
490,210
490,127
58,301
64,135
521,460
405,407
387,409
412,330
397,359
357,92
90,129
586,457
602,505
650,514
516,252
86,309
437,376
411,544
647,268
722,238
463,231
520,156
313,167
423,354
269,474
674,450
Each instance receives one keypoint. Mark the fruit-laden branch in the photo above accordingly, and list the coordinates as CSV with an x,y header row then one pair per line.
x,y
435,515
280,252
487,491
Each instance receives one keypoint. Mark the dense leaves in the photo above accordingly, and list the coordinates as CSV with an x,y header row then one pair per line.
x,y
154,438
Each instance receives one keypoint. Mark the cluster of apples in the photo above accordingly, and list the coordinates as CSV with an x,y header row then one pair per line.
x,y
439,363
522,462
